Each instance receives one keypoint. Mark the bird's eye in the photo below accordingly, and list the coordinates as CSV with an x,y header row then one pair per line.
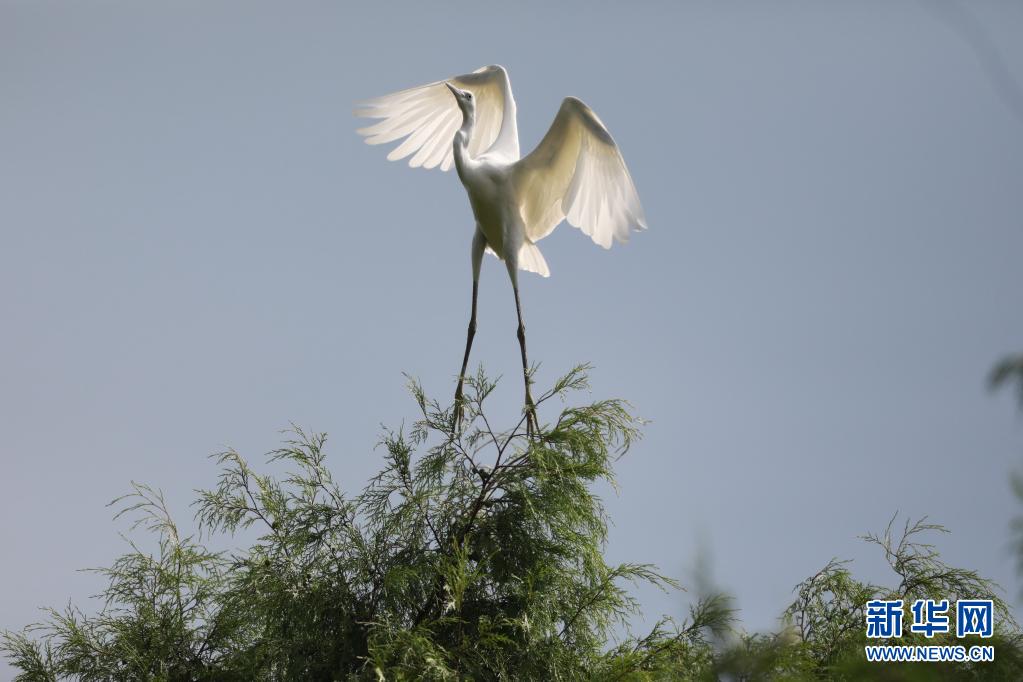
x,y
468,95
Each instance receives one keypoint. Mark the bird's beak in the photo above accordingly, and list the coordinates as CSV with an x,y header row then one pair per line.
x,y
454,91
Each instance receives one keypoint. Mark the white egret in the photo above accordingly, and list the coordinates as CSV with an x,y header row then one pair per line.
x,y
576,173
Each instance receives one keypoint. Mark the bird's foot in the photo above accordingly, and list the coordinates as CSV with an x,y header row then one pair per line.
x,y
532,426
458,412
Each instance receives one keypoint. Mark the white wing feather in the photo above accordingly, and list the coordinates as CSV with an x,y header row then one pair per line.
x,y
577,173
427,116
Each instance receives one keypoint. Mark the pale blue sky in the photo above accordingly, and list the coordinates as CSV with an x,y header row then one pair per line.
x,y
196,249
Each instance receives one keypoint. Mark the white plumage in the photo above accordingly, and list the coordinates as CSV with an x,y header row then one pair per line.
x,y
576,173
429,116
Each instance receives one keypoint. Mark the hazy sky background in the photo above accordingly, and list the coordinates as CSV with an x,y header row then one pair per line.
x,y
197,249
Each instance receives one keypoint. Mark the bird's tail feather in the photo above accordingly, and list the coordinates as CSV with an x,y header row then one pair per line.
x,y
531,260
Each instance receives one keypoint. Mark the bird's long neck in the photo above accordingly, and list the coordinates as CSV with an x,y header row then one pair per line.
x,y
461,146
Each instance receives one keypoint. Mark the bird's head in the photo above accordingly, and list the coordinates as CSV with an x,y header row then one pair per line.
x,y
466,101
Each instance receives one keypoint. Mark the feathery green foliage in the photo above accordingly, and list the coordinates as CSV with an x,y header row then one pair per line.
x,y
472,554
1009,369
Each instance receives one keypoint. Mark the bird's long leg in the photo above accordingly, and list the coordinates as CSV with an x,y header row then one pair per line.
x,y
458,412
479,245
531,424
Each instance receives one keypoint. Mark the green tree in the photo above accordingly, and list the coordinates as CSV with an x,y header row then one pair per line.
x,y
479,557
474,554
1009,369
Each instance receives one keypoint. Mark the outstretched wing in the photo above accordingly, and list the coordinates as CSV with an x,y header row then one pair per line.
x,y
428,117
577,173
